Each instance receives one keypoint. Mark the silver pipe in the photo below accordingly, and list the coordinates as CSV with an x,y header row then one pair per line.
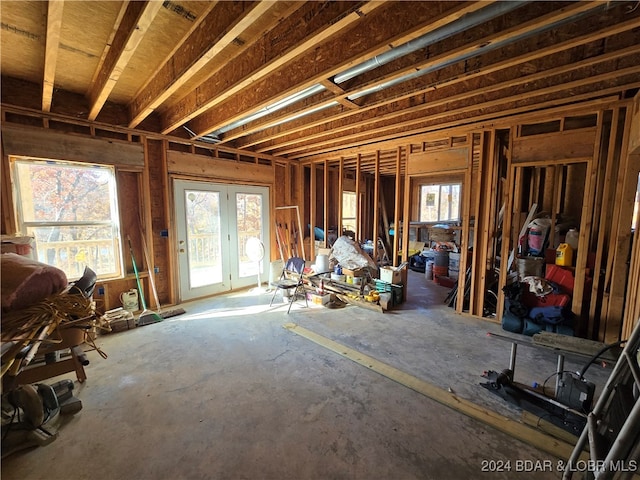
x,y
465,22
463,57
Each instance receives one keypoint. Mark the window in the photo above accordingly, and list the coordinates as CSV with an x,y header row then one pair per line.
x,y
349,211
71,210
440,203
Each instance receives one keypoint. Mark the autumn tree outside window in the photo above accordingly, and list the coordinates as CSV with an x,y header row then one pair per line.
x,y
71,211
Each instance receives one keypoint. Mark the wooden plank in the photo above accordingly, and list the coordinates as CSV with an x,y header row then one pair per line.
x,y
184,163
326,203
135,24
313,193
547,427
340,192
566,343
605,213
52,42
534,437
561,146
438,161
464,234
256,69
621,241
586,219
376,203
48,144
406,211
358,202
396,206
214,30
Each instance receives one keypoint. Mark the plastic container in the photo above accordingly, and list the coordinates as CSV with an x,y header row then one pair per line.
x,y
129,300
442,258
564,255
572,238
439,271
528,266
322,264
428,270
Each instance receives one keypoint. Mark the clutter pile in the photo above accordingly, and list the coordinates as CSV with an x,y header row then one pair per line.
x,y
352,277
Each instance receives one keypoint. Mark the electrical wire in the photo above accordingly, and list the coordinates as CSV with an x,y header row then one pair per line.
x,y
595,357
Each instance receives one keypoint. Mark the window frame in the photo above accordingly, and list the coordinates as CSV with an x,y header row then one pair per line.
x,y
449,184
23,226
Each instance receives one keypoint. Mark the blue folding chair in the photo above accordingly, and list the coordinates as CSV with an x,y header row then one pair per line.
x,y
291,279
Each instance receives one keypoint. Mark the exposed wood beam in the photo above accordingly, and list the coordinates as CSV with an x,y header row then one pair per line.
x,y
130,32
253,66
52,42
374,35
389,96
440,120
447,97
219,28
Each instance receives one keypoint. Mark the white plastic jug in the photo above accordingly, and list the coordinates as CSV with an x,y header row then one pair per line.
x,y
129,300
572,238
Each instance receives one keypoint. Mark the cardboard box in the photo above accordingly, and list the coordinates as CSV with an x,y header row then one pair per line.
x,y
319,299
358,272
391,275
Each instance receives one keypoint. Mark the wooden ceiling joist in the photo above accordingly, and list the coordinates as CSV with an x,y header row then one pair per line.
x,y
129,33
252,64
221,27
444,97
356,38
266,140
216,67
52,43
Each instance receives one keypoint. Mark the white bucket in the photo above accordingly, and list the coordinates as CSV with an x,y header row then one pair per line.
x,y
129,300
322,264
275,270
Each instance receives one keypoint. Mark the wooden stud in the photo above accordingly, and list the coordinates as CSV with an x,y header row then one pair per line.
x,y
397,205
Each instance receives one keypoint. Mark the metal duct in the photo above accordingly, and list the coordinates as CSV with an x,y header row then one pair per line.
x,y
463,57
285,102
463,23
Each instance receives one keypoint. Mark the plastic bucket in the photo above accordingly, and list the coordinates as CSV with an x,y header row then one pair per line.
x,y
439,271
442,258
528,266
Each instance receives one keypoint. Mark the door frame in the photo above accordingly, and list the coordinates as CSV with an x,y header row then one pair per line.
x,y
232,280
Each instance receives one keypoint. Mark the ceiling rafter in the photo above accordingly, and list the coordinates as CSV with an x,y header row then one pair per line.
x,y
514,105
477,45
376,115
52,44
375,34
220,27
254,65
260,61
130,32
270,137
297,78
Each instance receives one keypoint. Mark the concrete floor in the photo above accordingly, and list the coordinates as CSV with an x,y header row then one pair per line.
x,y
225,392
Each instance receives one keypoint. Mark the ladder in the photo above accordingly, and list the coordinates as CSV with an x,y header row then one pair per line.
x,y
612,431
381,254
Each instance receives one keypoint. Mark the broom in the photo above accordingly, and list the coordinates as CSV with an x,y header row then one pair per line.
x,y
167,313
147,316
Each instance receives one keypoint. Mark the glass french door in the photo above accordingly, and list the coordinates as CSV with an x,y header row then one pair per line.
x,y
222,236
